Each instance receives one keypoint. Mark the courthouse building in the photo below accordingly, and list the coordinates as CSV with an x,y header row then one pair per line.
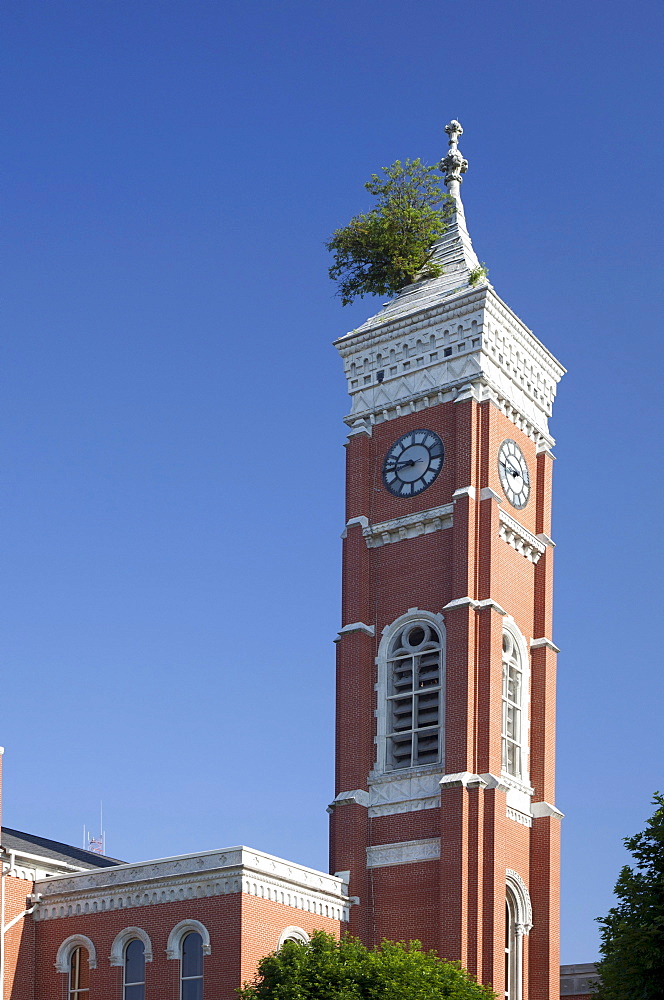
x,y
444,825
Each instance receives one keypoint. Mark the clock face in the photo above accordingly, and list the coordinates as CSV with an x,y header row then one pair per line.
x,y
413,462
514,475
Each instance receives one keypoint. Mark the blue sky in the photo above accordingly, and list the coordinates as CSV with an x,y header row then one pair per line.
x,y
172,440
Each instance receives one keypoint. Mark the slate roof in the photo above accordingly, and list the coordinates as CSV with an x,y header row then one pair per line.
x,y
15,840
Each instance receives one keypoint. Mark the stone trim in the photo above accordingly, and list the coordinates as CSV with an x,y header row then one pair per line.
x,y
486,493
293,934
192,876
519,537
524,914
180,931
65,950
542,809
357,627
463,779
465,491
519,817
404,853
464,602
538,643
358,797
122,939
409,526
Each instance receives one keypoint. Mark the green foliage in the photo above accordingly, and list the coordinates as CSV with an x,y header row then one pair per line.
x,y
390,246
326,969
478,274
632,965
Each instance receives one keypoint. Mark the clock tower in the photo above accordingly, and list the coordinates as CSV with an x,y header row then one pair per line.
x,y
444,816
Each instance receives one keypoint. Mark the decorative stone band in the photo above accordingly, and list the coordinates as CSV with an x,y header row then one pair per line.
x,y
212,873
519,817
403,853
520,538
410,526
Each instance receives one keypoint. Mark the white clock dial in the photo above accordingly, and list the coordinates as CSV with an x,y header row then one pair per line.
x,y
413,462
514,475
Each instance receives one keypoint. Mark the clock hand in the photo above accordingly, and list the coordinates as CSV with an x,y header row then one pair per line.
x,y
411,461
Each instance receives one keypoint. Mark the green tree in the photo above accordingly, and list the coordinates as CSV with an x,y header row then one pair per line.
x,y
391,246
632,964
325,969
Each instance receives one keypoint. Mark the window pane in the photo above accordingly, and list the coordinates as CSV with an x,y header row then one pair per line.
x,y
192,957
192,989
80,973
135,992
134,963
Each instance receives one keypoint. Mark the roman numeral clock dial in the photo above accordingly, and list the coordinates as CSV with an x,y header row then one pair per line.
x,y
413,463
514,475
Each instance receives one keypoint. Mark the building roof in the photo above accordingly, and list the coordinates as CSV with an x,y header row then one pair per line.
x,y
28,843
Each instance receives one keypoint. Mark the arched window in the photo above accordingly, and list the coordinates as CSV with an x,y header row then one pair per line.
x,y
292,934
515,708
79,975
191,967
413,695
134,971
512,951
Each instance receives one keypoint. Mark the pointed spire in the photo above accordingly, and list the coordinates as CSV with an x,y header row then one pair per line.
x,y
454,164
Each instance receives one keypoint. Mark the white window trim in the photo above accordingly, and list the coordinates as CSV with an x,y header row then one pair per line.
x,y
174,943
63,957
412,615
524,908
121,941
509,625
292,934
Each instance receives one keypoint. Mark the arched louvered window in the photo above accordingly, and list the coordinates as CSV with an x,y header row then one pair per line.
x,y
134,971
79,975
414,694
191,967
514,723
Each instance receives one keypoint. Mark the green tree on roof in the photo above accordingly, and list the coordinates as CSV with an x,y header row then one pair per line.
x,y
390,246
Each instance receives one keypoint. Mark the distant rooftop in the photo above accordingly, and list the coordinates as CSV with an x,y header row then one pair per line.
x,y
15,840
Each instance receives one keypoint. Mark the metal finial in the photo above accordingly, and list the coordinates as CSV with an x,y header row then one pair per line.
x,y
454,164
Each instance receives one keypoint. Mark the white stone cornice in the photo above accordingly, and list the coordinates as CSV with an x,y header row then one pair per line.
x,y
213,873
486,493
460,602
538,643
463,779
358,797
490,603
520,538
545,540
429,348
357,627
465,491
464,602
542,809
397,529
358,522
403,853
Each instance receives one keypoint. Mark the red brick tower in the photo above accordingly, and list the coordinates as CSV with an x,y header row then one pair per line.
x,y
445,758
